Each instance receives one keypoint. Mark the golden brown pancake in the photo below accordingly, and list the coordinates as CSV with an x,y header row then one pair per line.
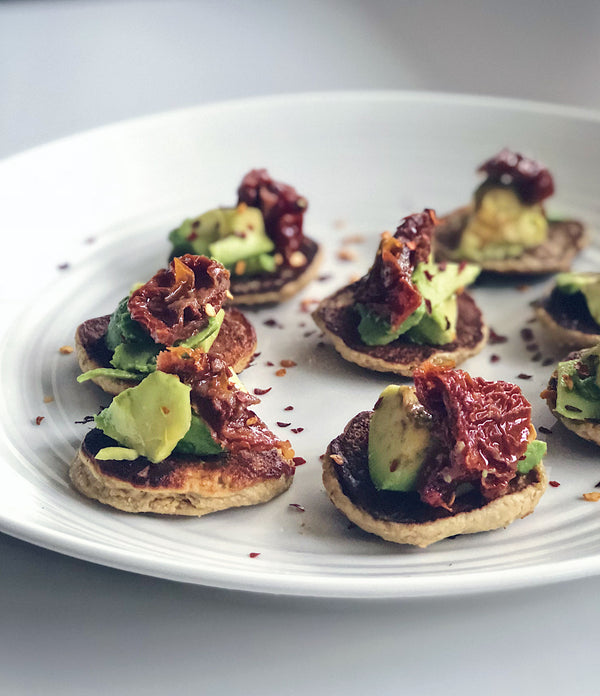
x,y
571,329
235,344
338,320
402,517
565,239
179,485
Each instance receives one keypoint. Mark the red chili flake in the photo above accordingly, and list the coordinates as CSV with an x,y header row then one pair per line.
x,y
195,224
547,361
299,461
494,358
461,266
254,554
545,430
297,430
428,276
63,266
288,363
394,465
378,403
281,373
272,323
308,334
39,420
269,363
554,484
192,236
527,334
323,278
522,375
531,347
495,338
283,425
297,506
428,305
261,392
256,355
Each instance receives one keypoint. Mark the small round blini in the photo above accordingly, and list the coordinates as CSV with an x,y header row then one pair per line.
x,y
568,334
179,485
566,238
235,344
338,320
417,524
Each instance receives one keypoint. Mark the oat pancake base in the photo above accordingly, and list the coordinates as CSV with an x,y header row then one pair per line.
x,y
336,149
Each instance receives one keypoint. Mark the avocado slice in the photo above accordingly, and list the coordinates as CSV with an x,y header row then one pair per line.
x,y
533,456
376,331
400,437
195,234
246,238
150,418
198,440
502,226
439,327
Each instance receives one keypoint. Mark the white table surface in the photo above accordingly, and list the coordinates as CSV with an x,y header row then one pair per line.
x,y
70,627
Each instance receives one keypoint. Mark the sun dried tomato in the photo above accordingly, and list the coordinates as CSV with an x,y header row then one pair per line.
x,y
484,429
176,302
388,290
218,400
282,208
531,181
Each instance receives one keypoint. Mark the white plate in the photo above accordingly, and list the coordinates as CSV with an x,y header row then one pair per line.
x,y
363,160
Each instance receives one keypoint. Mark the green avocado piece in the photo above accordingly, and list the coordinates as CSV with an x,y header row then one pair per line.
x,y
501,226
578,397
195,234
150,418
206,337
437,284
376,331
534,453
109,372
123,329
136,357
262,263
588,284
122,453
247,238
439,327
400,438
198,440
